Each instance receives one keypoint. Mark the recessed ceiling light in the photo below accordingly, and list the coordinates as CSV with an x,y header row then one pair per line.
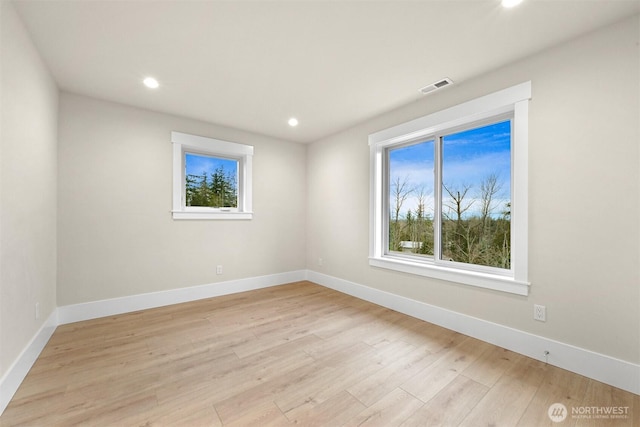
x,y
151,83
510,3
293,122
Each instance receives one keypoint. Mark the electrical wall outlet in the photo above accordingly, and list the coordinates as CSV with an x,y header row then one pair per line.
x,y
539,313
320,262
37,310
219,269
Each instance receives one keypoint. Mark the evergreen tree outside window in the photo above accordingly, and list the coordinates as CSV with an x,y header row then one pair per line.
x,y
211,178
211,181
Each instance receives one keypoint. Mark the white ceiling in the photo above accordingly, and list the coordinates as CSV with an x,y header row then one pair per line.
x,y
332,64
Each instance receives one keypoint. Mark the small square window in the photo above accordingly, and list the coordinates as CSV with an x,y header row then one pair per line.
x,y
211,178
210,181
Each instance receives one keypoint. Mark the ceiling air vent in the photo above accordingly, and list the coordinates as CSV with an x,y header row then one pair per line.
x,y
435,86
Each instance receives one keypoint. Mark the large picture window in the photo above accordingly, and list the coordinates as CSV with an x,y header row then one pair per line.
x,y
449,193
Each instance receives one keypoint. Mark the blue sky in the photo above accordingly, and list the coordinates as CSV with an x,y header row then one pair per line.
x,y
468,158
196,164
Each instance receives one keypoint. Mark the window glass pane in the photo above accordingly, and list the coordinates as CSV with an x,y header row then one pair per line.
x,y
411,199
211,181
476,196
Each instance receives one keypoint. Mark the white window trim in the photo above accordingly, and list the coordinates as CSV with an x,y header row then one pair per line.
x,y
514,99
183,143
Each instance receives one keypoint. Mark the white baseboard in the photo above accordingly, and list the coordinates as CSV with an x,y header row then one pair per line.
x,y
12,379
606,369
111,307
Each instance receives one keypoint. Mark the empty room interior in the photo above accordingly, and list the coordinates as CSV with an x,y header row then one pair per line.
x,y
320,213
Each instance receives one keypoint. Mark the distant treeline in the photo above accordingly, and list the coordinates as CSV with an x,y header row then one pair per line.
x,y
481,238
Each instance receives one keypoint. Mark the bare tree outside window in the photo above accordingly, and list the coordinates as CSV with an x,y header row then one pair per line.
x,y
475,222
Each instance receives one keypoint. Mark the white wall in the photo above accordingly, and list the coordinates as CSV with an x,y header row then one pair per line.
x,y
116,236
28,136
584,197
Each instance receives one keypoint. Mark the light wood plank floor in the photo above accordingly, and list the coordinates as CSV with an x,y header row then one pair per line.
x,y
293,354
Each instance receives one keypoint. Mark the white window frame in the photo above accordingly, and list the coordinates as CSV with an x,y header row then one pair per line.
x,y
185,143
513,100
